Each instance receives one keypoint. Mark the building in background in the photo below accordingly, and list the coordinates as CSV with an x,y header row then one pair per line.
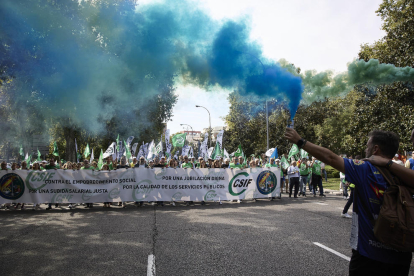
x,y
193,136
215,132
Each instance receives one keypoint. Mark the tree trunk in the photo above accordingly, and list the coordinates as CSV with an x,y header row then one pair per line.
x,y
70,144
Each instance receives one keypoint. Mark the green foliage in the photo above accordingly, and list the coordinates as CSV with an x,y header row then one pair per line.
x,y
331,172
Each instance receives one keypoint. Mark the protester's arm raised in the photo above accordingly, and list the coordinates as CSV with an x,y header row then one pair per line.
x,y
320,153
403,173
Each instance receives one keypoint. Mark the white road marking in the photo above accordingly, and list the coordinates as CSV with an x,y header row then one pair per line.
x,y
151,265
320,203
333,251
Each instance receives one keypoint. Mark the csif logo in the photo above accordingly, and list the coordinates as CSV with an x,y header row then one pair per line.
x,y
238,182
35,180
177,196
210,195
180,140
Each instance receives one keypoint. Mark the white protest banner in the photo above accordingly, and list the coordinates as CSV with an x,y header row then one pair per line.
x,y
220,139
141,184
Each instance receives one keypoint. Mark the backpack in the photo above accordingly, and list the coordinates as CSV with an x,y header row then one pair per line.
x,y
394,226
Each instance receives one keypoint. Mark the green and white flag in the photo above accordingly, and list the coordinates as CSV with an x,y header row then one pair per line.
x,y
127,152
293,151
110,151
168,145
21,151
117,143
87,151
178,140
216,154
151,150
38,155
28,159
92,157
158,148
225,153
77,155
219,138
191,153
100,161
284,163
55,149
185,150
134,149
303,154
239,152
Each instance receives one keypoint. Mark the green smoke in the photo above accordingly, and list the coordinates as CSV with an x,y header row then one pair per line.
x,y
325,84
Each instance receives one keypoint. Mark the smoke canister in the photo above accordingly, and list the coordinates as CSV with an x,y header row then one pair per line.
x,y
291,123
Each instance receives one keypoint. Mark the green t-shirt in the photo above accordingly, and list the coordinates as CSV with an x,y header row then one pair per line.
x,y
90,168
233,166
187,165
316,169
110,166
303,170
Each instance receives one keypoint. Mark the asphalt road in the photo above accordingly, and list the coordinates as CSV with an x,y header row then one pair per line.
x,y
251,238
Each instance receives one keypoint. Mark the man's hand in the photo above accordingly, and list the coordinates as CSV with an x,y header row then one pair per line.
x,y
292,135
377,160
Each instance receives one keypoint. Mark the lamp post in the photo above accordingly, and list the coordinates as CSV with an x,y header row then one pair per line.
x,y
267,126
209,119
192,130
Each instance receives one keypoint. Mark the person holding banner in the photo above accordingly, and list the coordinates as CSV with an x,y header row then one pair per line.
x,y
226,164
134,162
186,164
203,164
142,162
235,163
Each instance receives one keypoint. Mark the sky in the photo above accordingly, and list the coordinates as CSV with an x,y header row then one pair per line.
x,y
313,35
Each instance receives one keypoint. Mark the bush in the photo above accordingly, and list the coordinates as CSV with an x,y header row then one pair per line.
x,y
331,172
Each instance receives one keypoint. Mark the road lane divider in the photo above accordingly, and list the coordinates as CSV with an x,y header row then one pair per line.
x,y
332,251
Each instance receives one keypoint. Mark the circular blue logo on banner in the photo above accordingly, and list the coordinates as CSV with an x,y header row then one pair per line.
x,y
266,182
11,186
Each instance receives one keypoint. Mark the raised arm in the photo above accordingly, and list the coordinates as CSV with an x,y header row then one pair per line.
x,y
403,173
320,153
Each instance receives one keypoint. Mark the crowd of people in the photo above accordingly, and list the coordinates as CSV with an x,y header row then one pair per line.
x,y
299,176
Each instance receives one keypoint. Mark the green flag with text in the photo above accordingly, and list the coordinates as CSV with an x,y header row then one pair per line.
x,y
178,140
293,151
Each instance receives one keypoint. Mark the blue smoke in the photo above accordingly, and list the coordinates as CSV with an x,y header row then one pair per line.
x,y
91,60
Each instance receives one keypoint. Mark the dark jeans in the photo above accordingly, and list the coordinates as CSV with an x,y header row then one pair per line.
x,y
317,181
294,181
361,265
349,202
345,190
